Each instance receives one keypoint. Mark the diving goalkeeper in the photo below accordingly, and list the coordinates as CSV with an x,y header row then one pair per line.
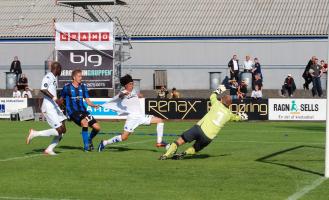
x,y
207,128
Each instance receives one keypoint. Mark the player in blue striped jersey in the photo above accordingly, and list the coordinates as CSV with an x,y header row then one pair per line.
x,y
73,93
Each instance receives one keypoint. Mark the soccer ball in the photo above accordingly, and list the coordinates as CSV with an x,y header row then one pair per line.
x,y
167,146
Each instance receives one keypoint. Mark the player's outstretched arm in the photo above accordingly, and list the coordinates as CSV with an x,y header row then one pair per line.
x,y
90,103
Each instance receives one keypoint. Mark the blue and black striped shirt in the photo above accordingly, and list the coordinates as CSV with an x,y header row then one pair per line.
x,y
74,97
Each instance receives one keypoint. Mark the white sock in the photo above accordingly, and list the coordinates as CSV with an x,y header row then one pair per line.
x,y
54,143
115,139
45,133
159,132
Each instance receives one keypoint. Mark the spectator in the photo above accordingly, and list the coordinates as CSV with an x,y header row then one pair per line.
x,y
16,68
163,93
258,81
16,93
22,82
288,86
234,89
315,72
233,65
27,93
324,66
174,94
257,93
242,90
247,64
256,69
307,77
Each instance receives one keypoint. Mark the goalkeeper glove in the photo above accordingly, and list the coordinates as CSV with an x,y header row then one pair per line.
x,y
220,89
243,116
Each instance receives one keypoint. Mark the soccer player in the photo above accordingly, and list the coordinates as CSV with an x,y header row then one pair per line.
x,y
51,110
207,128
127,103
73,93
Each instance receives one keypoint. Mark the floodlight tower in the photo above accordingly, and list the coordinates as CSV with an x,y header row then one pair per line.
x,y
326,171
94,12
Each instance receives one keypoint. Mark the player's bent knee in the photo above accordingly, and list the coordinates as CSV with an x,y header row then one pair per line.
x,y
96,127
180,141
84,123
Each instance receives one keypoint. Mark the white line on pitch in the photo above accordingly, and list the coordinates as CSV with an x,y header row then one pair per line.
x,y
306,189
265,142
37,155
20,158
30,198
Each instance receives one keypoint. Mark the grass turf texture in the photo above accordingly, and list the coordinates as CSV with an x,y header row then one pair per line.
x,y
248,160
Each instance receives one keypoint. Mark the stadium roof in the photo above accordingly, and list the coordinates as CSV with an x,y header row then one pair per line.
x,y
182,18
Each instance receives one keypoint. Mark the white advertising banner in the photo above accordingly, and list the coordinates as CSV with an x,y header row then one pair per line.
x,y
103,113
11,105
297,109
84,36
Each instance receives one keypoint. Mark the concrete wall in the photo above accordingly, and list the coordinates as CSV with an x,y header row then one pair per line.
x,y
188,63
32,56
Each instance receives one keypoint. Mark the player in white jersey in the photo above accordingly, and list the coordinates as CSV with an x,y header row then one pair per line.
x,y
127,103
51,110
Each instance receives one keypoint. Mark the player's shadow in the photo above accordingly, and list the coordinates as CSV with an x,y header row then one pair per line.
x,y
204,156
121,148
70,148
307,128
35,151
267,159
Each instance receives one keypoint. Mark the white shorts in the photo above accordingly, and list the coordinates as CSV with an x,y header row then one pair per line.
x,y
53,115
133,122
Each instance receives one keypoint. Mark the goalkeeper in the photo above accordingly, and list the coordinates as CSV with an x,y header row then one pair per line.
x,y
207,128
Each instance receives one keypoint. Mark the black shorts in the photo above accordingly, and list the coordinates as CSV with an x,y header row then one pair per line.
x,y
78,116
196,133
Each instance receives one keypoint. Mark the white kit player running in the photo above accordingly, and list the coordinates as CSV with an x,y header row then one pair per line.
x,y
51,111
127,103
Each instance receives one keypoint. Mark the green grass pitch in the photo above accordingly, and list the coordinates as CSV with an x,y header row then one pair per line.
x,y
248,160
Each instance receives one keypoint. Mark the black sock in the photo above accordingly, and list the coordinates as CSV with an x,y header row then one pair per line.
x,y
93,133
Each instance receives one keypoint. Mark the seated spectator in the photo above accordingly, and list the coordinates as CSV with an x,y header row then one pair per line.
x,y
288,86
27,93
234,89
174,94
257,93
162,93
258,81
242,90
16,93
22,82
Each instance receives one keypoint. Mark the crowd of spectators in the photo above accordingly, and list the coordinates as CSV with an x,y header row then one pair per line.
x,y
238,87
163,93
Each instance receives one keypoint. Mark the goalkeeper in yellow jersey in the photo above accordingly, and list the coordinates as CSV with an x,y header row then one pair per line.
x,y
207,128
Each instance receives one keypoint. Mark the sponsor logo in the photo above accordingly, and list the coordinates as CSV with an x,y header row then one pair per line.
x,y
86,59
84,36
163,107
294,108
